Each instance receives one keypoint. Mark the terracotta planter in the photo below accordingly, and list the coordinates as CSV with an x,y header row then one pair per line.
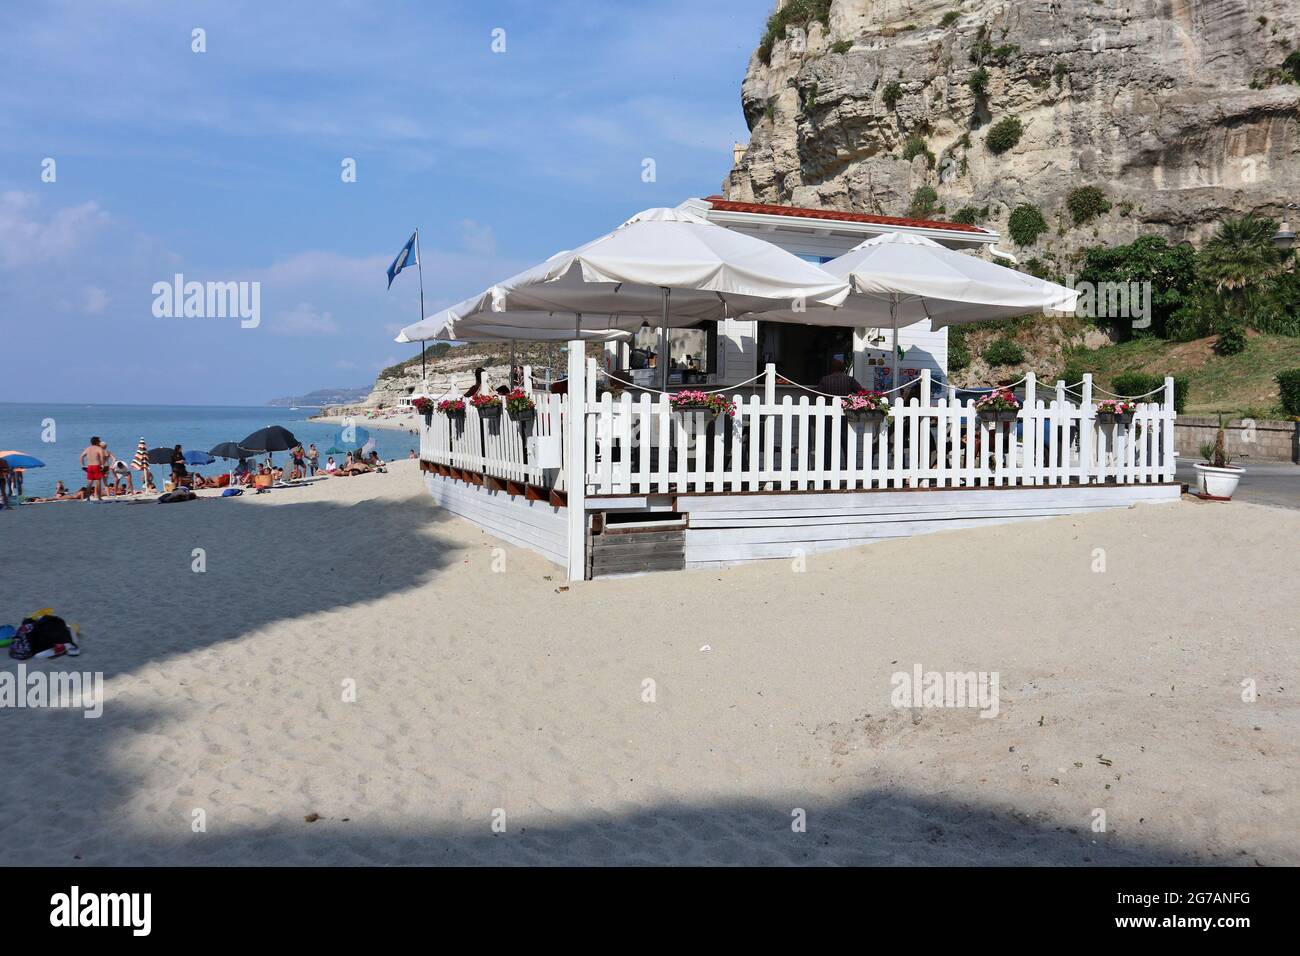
x,y
1217,483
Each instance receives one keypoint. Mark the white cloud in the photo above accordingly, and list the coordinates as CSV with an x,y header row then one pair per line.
x,y
27,236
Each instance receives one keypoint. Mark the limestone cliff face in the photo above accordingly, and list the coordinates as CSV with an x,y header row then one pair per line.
x,y
1180,111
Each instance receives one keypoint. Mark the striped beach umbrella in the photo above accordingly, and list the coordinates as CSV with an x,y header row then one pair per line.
x,y
141,460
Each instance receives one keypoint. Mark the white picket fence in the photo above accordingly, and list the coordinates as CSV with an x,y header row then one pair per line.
x,y
497,446
639,445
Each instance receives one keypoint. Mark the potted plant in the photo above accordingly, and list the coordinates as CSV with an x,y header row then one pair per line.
x,y
999,405
520,407
709,403
1217,477
1115,410
866,406
487,404
423,406
452,407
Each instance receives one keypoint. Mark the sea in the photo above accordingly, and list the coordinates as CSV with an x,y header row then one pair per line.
x,y
57,434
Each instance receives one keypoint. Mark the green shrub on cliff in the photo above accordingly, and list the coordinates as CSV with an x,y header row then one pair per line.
x,y
1026,224
799,13
1086,203
892,94
1004,135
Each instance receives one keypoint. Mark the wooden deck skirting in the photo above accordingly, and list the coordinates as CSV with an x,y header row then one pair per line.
x,y
514,489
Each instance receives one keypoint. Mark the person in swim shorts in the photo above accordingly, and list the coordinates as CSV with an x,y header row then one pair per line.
x,y
92,459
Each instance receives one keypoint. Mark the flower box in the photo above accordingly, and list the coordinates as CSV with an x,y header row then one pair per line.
x,y
423,406
708,403
487,405
999,405
1113,418
869,407
1111,411
520,407
452,407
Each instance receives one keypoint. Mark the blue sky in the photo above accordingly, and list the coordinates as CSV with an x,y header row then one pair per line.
x,y
225,166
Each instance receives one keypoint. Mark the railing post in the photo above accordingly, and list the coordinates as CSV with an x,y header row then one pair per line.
x,y
576,461
769,384
1029,434
1168,448
526,380
1086,418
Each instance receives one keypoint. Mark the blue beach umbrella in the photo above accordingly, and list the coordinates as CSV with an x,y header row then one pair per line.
x,y
198,458
18,459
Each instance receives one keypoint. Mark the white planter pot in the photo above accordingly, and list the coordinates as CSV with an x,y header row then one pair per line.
x,y
1218,482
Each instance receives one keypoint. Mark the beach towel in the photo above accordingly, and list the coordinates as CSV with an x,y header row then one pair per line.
x,y
180,494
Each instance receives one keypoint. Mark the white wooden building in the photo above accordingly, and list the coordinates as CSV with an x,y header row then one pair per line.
x,y
615,481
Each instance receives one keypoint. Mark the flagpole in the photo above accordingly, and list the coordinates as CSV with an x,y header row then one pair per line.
x,y
419,266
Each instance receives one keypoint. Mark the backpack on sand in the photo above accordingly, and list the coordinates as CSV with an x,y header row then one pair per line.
x,y
36,635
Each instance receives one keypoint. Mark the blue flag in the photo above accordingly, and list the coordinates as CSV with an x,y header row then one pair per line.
x,y
409,256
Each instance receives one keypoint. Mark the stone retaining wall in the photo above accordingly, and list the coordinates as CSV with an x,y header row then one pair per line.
x,y
1247,439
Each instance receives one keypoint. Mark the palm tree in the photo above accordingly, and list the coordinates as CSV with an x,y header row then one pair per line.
x,y
1239,260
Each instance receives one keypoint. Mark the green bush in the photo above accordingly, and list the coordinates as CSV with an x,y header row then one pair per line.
x,y
1140,383
1003,352
1026,224
1004,135
1171,270
916,146
949,18
1002,54
1291,65
1232,340
923,201
978,81
1086,203
893,93
795,13
1288,383
968,216
841,46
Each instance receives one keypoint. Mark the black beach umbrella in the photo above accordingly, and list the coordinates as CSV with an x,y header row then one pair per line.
x,y
232,450
160,456
271,438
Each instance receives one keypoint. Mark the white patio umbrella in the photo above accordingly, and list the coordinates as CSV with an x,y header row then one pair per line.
x,y
672,262
899,279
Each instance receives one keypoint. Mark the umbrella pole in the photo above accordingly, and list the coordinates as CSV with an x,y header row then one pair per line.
x,y
665,348
893,320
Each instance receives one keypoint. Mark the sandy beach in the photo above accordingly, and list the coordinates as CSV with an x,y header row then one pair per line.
x,y
488,691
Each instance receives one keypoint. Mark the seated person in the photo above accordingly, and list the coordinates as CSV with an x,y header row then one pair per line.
x,y
331,465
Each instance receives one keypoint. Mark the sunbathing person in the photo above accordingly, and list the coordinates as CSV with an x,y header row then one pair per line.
x,y
61,494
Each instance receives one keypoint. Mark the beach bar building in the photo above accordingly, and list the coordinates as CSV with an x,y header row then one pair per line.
x,y
605,476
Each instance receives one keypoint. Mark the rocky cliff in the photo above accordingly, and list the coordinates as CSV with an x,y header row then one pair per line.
x,y
1176,113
